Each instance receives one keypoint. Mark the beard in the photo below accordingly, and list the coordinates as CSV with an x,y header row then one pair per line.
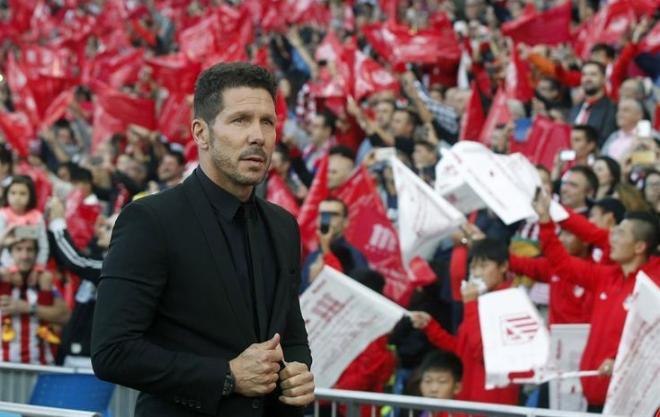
x,y
591,91
229,167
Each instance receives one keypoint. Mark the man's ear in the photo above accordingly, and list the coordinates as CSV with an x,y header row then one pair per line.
x,y
640,247
201,133
457,388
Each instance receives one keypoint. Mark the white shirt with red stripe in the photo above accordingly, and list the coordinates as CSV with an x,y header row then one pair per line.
x,y
26,346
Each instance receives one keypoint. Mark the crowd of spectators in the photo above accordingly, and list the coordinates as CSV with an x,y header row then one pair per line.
x,y
95,108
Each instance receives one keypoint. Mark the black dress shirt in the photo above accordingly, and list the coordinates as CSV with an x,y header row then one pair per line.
x,y
230,214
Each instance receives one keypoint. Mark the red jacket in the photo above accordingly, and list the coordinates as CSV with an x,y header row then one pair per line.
x,y
589,233
612,290
467,346
569,303
370,371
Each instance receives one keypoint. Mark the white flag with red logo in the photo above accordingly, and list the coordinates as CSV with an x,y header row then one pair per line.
x,y
514,336
634,389
342,318
425,218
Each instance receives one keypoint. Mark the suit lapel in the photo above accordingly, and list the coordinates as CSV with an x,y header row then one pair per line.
x,y
279,239
220,251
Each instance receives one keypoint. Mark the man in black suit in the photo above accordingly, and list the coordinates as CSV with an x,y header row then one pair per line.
x,y
198,304
596,110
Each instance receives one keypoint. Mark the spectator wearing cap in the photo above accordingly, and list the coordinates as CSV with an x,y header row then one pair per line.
x,y
596,110
633,244
578,186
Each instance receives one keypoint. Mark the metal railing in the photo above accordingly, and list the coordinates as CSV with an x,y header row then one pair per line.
x,y
17,382
25,410
353,401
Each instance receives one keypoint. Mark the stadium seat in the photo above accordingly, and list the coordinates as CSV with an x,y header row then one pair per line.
x,y
73,391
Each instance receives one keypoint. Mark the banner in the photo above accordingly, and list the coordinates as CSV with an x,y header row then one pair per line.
x,y
634,389
491,180
342,318
452,187
513,334
550,27
567,342
371,231
277,192
425,218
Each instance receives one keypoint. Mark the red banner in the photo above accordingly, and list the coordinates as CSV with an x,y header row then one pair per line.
x,y
550,27
80,218
174,118
18,131
498,114
518,78
175,72
474,117
371,231
370,77
544,140
309,211
278,193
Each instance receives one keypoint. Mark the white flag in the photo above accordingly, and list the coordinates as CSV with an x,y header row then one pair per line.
x,y
635,388
425,218
342,318
450,184
513,334
489,177
566,347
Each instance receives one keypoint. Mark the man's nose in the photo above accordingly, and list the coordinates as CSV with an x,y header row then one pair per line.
x,y
256,134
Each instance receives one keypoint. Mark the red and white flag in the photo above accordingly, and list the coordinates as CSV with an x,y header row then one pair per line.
x,y
278,192
513,334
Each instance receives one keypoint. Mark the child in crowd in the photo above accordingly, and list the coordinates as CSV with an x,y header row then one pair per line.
x,y
440,378
20,210
488,272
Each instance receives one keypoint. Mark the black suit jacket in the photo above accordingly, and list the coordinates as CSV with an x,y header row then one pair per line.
x,y
602,117
170,313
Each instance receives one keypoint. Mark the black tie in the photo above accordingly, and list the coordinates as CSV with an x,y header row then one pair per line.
x,y
254,270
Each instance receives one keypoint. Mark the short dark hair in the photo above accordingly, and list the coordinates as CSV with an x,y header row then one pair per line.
x,y
27,181
426,144
213,81
645,229
491,250
603,47
180,158
611,205
589,132
342,150
438,360
369,278
329,120
413,116
600,66
337,200
588,173
80,174
6,157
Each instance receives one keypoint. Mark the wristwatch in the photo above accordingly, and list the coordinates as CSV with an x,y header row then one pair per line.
x,y
228,386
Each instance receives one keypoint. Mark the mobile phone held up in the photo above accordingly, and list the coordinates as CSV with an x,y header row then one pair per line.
x,y
567,155
325,222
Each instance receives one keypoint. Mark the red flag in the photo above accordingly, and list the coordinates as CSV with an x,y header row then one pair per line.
x,y
389,8
609,25
115,110
233,51
21,92
175,72
57,108
370,77
18,131
544,140
651,42
371,231
498,114
80,218
518,78
550,27
474,117
278,193
174,118
115,69
421,272
399,46
201,39
305,12
309,211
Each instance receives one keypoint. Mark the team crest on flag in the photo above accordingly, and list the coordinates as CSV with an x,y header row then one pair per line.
x,y
518,328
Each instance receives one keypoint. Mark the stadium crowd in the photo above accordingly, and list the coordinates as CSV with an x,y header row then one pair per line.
x,y
95,108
